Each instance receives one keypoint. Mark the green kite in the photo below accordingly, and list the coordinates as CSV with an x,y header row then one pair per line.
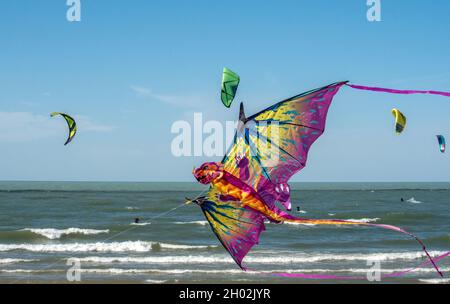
x,y
230,83
71,124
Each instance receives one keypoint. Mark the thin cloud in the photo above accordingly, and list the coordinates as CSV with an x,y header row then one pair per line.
x,y
173,100
84,123
141,91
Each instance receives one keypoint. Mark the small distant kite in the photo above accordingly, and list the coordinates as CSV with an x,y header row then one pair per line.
x,y
400,121
441,141
230,83
70,123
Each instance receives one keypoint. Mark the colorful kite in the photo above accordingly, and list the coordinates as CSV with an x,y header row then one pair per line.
x,y
70,123
230,83
441,141
400,121
268,149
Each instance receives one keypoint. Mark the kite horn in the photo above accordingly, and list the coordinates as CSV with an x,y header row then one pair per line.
x,y
241,113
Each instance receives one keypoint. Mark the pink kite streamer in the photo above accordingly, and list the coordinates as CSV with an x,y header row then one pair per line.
x,y
395,91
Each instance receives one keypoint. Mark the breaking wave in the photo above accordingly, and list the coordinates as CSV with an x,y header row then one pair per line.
x,y
227,271
208,259
202,223
414,201
52,233
362,220
128,246
14,261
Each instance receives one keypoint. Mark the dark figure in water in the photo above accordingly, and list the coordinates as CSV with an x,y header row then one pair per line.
x,y
402,199
136,220
298,209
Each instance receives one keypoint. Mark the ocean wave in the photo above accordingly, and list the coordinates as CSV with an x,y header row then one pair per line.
x,y
128,246
131,208
52,233
294,224
156,281
435,281
123,271
140,224
31,270
414,201
13,261
210,259
202,223
362,220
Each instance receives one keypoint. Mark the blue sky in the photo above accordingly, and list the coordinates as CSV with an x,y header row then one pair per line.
x,y
129,69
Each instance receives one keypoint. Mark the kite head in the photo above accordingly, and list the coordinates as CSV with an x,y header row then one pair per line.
x,y
208,172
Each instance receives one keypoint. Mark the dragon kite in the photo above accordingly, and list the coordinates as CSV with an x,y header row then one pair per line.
x,y
252,179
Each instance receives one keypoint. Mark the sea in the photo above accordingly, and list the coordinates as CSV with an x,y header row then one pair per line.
x,y
85,232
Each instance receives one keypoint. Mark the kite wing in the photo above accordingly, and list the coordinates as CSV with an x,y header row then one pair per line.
x,y
236,226
230,83
272,145
400,121
71,124
441,141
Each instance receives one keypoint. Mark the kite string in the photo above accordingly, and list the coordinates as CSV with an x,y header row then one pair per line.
x,y
119,233
156,216
148,219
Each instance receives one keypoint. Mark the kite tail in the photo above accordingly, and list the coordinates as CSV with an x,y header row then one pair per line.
x,y
289,218
395,91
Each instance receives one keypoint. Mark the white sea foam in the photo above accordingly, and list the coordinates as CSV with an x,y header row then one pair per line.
x,y
129,246
52,233
362,220
123,271
298,224
414,201
202,223
435,281
131,208
13,261
155,281
223,259
140,224
30,270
